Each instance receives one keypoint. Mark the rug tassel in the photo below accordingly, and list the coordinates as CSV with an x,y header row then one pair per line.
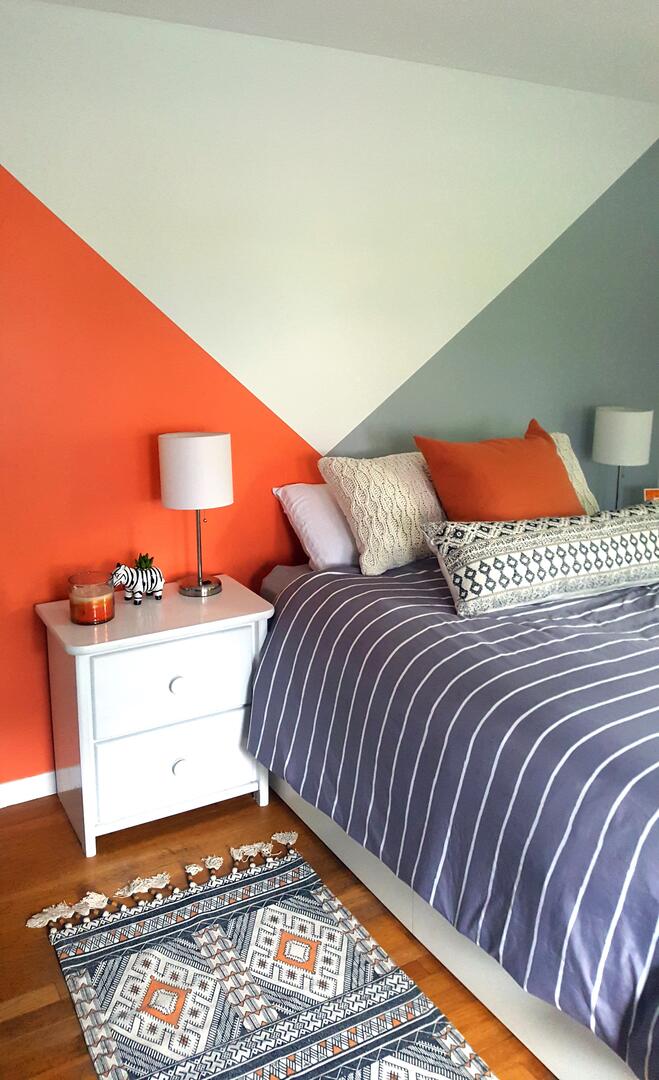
x,y
92,903
245,853
286,839
248,853
144,885
213,863
191,871
50,914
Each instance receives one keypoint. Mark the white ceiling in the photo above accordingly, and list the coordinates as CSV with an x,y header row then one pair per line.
x,y
606,46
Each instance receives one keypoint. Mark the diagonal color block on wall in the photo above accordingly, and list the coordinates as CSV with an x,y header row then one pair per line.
x,y
321,222
578,328
91,373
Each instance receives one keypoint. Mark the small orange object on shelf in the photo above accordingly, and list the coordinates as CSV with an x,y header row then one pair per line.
x,y
91,598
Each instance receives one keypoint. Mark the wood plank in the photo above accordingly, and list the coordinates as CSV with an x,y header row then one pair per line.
x,y
29,1002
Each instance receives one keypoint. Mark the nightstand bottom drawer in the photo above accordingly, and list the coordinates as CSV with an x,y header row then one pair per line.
x,y
159,772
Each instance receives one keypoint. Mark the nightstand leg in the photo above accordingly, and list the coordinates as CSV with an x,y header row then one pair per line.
x,y
89,846
262,793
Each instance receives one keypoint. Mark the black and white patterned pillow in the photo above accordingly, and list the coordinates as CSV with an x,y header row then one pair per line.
x,y
500,564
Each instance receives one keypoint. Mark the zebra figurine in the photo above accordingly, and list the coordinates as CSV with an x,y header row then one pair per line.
x,y
146,581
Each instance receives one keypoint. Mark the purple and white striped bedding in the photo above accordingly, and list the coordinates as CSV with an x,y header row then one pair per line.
x,y
505,766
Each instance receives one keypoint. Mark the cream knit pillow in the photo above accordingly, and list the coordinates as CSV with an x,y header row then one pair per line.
x,y
386,500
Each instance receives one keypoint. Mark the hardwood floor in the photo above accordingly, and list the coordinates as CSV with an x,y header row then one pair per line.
x,y
41,862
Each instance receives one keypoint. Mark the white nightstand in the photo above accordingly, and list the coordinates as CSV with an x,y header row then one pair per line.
x,y
150,710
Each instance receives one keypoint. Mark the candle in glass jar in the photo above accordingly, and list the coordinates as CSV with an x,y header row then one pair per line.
x,y
91,598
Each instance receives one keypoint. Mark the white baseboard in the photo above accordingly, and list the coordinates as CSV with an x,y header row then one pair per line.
x,y
31,787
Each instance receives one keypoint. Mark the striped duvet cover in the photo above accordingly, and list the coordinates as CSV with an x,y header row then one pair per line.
x,y
505,766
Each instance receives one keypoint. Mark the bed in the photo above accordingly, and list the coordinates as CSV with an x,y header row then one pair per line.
x,y
502,771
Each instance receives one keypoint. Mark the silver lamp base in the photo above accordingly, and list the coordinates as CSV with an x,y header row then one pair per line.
x,y
190,586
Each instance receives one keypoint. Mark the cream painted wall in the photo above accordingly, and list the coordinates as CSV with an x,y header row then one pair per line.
x,y
321,222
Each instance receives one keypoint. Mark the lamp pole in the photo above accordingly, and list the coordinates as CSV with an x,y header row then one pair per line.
x,y
198,517
618,487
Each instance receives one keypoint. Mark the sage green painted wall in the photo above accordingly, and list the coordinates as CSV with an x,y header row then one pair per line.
x,y
579,328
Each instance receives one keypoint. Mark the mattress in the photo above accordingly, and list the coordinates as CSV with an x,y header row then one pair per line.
x,y
279,578
505,766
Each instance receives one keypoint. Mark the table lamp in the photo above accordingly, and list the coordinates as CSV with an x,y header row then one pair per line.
x,y
195,474
622,437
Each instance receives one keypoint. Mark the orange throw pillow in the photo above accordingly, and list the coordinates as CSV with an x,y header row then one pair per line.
x,y
501,479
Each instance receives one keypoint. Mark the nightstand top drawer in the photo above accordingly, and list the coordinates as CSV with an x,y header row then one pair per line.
x,y
155,686
174,616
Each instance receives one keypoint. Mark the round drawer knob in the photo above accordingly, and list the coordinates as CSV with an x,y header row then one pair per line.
x,y
181,767
176,685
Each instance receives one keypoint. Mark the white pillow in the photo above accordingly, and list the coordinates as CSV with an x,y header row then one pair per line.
x,y
575,472
386,501
319,524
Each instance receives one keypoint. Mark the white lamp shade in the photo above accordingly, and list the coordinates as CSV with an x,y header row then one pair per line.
x,y
195,470
622,436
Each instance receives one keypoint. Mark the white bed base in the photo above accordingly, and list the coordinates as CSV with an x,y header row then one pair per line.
x,y
563,1045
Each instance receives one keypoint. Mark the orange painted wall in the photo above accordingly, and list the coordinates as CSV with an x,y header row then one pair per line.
x,y
91,373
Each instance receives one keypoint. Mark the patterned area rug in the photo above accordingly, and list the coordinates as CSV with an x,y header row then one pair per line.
x,y
260,974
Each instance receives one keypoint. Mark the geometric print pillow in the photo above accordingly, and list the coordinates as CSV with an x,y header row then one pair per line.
x,y
490,565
